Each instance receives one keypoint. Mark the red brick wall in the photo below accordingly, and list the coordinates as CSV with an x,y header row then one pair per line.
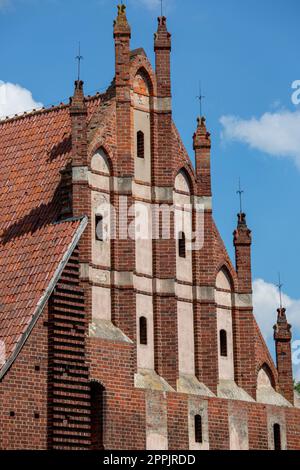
x,y
218,424
23,390
258,429
112,364
177,406
293,428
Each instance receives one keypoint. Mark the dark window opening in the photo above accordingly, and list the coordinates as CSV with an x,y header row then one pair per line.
x,y
97,416
198,429
223,343
99,228
140,139
143,331
277,437
181,245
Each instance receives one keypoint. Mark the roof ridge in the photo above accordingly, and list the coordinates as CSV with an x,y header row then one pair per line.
x,y
45,110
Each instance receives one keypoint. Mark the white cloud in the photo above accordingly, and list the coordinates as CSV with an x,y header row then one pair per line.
x,y
14,100
276,134
266,302
296,360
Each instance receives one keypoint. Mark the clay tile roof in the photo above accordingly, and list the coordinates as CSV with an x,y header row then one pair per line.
x,y
28,265
34,148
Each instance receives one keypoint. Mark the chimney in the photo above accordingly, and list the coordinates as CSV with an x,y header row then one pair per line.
x,y
202,146
78,114
242,242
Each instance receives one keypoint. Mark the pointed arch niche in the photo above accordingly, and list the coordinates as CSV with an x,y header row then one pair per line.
x,y
100,180
184,273
224,325
183,224
142,126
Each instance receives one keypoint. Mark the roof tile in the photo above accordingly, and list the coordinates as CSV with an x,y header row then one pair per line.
x,y
33,150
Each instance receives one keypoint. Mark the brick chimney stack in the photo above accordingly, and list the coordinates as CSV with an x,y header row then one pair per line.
x,y
283,337
162,119
81,204
242,243
78,113
202,147
243,320
206,345
162,48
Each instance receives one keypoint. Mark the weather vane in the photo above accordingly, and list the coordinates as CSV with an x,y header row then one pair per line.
x,y
200,97
280,286
240,192
79,58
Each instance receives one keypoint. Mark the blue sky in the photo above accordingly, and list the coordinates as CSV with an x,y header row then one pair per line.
x,y
246,55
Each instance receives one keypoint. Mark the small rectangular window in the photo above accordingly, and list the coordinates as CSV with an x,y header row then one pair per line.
x,y
143,331
140,139
223,343
277,436
99,228
181,245
198,429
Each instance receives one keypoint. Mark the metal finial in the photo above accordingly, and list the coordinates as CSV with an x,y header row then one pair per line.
x,y
79,58
240,192
200,97
161,7
280,286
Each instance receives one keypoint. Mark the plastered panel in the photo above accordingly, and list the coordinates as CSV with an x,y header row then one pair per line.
x,y
181,183
101,253
141,191
145,353
263,380
99,181
143,237
185,323
99,162
222,281
144,284
276,416
156,421
226,364
183,223
198,407
142,165
183,291
223,298
101,303
238,428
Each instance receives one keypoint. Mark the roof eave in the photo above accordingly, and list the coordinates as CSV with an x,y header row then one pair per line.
x,y
45,297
